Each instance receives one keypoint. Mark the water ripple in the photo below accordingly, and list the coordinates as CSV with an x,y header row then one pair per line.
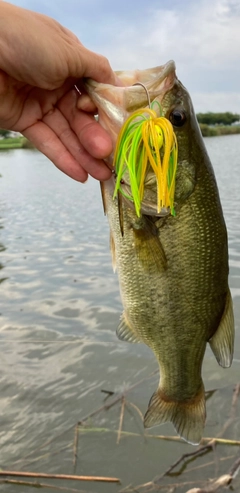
x,y
59,312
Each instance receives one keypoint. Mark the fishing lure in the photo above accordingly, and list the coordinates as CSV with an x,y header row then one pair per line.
x,y
147,140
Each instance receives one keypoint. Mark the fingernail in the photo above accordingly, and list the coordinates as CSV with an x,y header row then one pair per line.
x,y
85,103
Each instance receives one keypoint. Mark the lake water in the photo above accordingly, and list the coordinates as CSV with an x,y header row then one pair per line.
x,y
60,306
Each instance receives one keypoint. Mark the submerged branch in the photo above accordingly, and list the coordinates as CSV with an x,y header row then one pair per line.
x,y
40,485
184,459
75,447
224,480
167,438
121,420
197,453
207,445
118,398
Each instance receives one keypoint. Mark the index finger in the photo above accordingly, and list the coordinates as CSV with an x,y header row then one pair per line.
x,y
96,67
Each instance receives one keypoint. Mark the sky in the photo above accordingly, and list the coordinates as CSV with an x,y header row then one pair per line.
x,y
201,36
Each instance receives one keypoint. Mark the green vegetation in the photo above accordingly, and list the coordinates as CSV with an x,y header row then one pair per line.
x,y
15,143
213,131
4,133
213,124
218,118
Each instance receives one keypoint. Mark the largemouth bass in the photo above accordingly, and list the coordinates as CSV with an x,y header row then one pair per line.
x,y
173,269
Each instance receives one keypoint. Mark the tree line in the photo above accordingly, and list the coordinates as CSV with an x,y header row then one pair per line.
x,y
218,118
4,133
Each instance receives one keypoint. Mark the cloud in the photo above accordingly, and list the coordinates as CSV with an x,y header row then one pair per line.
x,y
202,36
206,33
216,101
204,41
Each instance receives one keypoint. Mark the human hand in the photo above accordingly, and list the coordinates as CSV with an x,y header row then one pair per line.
x,y
40,62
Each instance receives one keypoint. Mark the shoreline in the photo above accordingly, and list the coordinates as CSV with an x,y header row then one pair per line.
x,y
207,131
218,130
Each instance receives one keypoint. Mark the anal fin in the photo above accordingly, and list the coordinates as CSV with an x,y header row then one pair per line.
x,y
188,417
124,331
222,342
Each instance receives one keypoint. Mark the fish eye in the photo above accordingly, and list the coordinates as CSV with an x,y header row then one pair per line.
x,y
177,118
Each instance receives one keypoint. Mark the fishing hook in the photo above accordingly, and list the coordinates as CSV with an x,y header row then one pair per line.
x,y
78,90
146,90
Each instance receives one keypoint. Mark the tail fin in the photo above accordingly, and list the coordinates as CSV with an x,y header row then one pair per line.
x,y
188,417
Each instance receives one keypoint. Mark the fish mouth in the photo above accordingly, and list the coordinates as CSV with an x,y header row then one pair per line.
x,y
117,102
153,83
139,90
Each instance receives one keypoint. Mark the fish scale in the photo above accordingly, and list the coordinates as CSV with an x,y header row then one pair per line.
x,y
173,270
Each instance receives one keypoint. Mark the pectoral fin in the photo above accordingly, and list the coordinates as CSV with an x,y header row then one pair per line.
x,y
148,246
222,342
125,332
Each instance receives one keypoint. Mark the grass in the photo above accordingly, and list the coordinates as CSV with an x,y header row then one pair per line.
x,y
16,143
216,130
